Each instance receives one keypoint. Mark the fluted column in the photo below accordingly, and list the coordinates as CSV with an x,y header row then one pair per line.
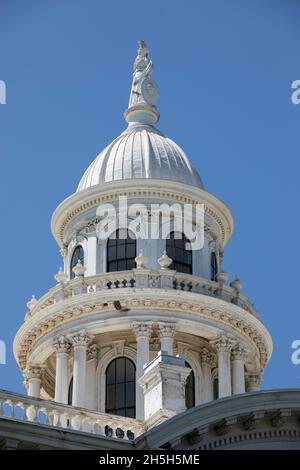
x,y
223,346
92,359
208,361
80,341
33,375
238,356
142,332
166,333
62,347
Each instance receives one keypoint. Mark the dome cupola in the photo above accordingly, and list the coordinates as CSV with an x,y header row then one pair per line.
x,y
141,151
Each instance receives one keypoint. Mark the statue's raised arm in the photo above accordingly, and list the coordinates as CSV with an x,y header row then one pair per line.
x,y
142,70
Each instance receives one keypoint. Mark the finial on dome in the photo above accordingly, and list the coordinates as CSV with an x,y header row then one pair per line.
x,y
144,91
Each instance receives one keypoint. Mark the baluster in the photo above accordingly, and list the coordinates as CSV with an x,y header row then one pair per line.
x,y
98,428
31,413
47,413
13,409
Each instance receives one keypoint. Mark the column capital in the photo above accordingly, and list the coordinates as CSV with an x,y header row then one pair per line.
x,y
142,329
92,352
166,330
62,345
253,381
223,344
239,353
33,372
81,338
208,358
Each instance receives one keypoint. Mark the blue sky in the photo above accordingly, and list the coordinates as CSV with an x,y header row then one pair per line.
x,y
224,69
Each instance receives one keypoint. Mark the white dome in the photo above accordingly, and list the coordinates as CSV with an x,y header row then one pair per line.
x,y
141,151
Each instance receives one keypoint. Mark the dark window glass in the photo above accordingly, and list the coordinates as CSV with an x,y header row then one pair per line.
x,y
120,387
213,267
176,249
216,389
77,255
190,389
121,252
70,392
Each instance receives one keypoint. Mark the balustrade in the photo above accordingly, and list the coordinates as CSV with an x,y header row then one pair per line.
x,y
22,408
143,278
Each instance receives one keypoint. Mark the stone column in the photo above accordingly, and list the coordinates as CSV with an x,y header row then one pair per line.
x,y
166,333
62,347
253,382
91,367
142,332
238,356
223,346
80,341
208,361
33,376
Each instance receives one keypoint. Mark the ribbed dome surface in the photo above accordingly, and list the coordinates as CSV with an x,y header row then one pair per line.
x,y
140,152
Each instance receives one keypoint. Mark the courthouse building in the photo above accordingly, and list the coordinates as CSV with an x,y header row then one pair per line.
x,y
143,342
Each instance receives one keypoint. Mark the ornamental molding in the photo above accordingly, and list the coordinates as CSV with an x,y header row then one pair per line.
x,y
239,353
166,330
62,345
33,372
85,200
142,329
81,338
119,347
57,315
208,358
92,352
223,344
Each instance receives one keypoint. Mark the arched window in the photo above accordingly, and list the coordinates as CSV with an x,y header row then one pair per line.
x,y
213,267
120,387
77,256
70,392
190,388
121,251
176,250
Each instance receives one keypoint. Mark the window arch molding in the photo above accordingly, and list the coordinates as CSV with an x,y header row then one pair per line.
x,y
79,241
78,249
129,353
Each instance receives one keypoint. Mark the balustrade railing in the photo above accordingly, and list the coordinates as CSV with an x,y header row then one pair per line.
x,y
43,412
143,278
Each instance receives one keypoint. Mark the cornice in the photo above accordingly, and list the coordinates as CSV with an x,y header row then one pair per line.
x,y
136,189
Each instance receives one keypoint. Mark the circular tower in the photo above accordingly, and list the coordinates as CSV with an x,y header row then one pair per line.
x,y
134,283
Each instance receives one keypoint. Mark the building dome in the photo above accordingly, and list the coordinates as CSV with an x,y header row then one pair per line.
x,y
141,151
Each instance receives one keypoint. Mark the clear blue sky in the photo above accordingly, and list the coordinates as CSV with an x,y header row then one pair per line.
x,y
224,69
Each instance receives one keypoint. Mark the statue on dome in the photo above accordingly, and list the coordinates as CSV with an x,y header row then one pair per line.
x,y
143,90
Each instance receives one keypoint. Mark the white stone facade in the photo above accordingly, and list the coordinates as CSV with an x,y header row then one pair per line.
x,y
154,316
